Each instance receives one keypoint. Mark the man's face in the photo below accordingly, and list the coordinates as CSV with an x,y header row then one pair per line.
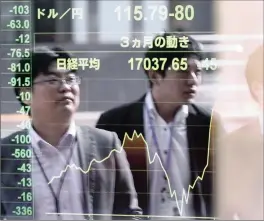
x,y
53,99
181,86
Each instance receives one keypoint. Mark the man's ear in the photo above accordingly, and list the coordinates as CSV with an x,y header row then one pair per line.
x,y
154,77
25,95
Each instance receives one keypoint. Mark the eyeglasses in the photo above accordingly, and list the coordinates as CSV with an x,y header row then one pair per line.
x,y
57,82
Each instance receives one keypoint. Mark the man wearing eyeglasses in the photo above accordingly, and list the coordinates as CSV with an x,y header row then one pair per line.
x,y
63,171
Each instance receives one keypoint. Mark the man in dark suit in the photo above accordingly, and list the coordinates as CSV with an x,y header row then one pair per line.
x,y
240,157
55,169
175,129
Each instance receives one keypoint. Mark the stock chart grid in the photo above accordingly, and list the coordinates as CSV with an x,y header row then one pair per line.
x,y
108,40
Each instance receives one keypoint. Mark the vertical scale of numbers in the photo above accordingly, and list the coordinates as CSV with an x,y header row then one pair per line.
x,y
18,23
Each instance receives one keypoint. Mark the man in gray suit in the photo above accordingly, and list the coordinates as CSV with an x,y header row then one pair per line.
x,y
54,169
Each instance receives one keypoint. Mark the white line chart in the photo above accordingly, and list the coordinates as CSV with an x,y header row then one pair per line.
x,y
173,194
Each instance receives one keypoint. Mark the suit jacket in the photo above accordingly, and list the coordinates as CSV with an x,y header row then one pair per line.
x,y
108,186
129,118
240,174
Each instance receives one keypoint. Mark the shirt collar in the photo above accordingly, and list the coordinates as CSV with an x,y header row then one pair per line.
x,y
181,115
36,139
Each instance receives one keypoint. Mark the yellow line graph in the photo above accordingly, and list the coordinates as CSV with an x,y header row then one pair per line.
x,y
185,196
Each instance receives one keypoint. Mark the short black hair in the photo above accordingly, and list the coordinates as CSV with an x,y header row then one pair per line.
x,y
192,49
254,68
39,59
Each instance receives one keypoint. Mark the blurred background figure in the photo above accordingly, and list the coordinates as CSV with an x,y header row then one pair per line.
x,y
239,167
240,193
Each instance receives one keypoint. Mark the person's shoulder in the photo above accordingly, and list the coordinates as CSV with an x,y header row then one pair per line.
x,y
117,110
243,144
101,133
9,142
9,139
122,109
104,139
246,132
97,134
242,141
202,110
112,116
